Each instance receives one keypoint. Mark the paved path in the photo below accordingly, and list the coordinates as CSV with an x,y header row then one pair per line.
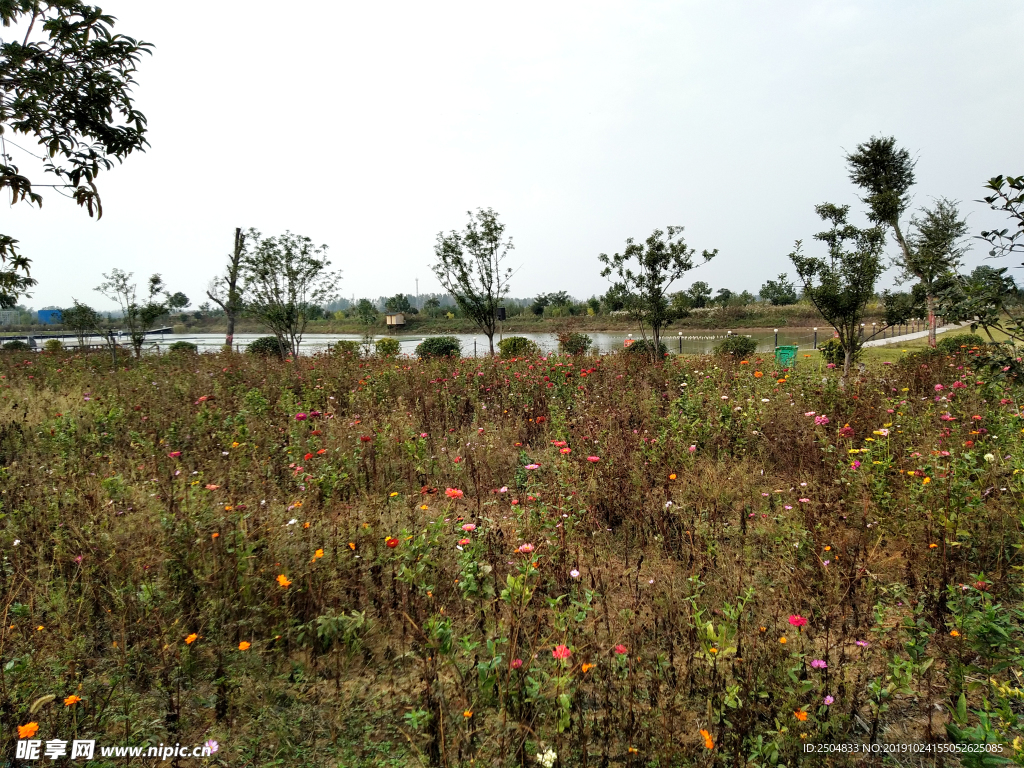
x,y
911,336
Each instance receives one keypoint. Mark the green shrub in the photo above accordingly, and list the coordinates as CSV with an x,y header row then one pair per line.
x,y
17,345
574,343
53,345
833,352
643,348
388,347
954,345
265,346
183,348
439,346
348,347
740,346
517,346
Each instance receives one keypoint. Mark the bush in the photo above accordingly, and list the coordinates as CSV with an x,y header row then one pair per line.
x,y
17,345
574,343
53,345
388,347
439,346
265,346
833,352
644,347
517,346
183,348
740,346
348,347
953,345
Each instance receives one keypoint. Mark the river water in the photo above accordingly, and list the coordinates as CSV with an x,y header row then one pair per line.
x,y
689,341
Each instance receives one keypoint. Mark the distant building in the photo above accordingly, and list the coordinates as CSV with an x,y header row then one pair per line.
x,y
10,316
395,319
51,316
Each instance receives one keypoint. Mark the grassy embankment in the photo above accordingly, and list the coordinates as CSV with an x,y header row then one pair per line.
x,y
335,561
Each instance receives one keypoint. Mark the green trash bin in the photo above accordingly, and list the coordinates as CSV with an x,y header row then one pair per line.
x,y
786,356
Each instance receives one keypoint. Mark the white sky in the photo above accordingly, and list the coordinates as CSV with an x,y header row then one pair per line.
x,y
372,126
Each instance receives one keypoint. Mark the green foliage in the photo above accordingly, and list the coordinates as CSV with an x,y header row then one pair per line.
x,y
644,273
832,351
517,346
82,320
68,88
265,346
286,280
699,294
737,345
366,312
957,343
183,348
53,345
17,345
842,283
439,346
138,316
469,267
779,292
388,347
398,303
574,343
348,347
646,348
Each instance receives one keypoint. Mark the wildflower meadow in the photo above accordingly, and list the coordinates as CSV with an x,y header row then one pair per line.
x,y
336,560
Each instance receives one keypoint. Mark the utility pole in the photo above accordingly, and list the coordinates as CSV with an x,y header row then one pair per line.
x,y
417,293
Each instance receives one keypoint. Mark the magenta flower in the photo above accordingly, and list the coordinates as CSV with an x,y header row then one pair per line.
x,y
593,458
561,652
797,620
300,417
828,701
819,664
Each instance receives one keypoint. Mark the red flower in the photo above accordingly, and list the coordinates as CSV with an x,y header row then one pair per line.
x,y
174,454
365,438
391,542
797,620
621,649
453,493
308,456
561,652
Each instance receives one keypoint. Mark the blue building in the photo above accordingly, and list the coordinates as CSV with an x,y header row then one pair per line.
x,y
50,316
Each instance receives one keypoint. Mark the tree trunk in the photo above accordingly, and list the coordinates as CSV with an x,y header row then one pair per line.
x,y
847,360
490,342
930,301
231,329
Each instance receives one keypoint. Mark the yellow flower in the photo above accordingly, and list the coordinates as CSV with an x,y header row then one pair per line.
x,y
393,494
954,633
244,646
926,481
191,638
235,444
424,506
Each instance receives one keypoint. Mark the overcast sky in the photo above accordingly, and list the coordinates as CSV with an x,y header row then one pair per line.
x,y
372,126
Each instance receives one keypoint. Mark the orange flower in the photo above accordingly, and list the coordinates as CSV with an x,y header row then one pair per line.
x,y
800,715
758,374
672,476
587,667
27,731
70,701
954,633
467,714
318,554
214,535
284,581
244,646
191,638
781,381
708,742
783,640
744,362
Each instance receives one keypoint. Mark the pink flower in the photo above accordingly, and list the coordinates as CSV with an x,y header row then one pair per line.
x,y
862,643
463,542
856,464
300,417
821,420
517,663
565,451
620,649
532,466
174,454
804,501
593,458
939,387
809,413
469,527
692,449
561,652
453,493
828,701
797,620
819,664
525,549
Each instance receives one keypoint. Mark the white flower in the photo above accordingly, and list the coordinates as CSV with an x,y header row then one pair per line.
x,y
17,542
547,758
574,573
989,458
293,521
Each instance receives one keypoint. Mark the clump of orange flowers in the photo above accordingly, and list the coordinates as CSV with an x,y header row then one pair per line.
x,y
318,554
758,374
28,730
244,645
708,741
800,715
284,581
191,638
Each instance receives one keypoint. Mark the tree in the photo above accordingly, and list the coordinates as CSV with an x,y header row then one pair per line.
x,y
138,316
67,87
539,304
779,292
469,266
661,260
398,303
841,284
226,291
177,301
82,320
699,293
284,277
723,297
431,306
932,247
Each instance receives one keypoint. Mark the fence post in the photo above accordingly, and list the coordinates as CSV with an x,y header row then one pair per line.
x,y
815,338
